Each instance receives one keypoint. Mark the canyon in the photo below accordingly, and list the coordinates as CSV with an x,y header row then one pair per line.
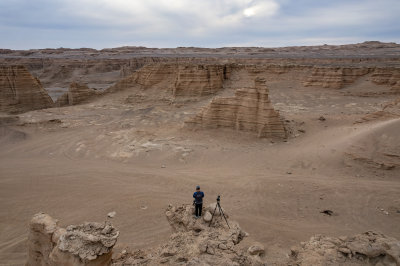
x,y
284,135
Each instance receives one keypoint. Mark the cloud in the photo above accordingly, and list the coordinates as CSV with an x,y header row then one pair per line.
x,y
211,23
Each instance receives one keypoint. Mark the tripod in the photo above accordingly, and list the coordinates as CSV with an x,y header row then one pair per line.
x,y
220,211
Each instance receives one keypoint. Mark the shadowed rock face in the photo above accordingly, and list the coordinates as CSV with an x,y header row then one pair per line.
x,y
85,244
249,110
20,91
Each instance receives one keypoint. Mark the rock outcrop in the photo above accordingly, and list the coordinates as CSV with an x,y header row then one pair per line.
x,y
78,245
249,110
370,248
20,91
387,76
194,242
76,94
334,78
179,79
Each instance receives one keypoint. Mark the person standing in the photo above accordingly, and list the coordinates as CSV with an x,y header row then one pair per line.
x,y
198,201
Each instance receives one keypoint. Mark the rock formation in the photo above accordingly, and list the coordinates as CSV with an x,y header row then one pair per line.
x,y
179,79
369,248
334,78
85,244
20,91
387,76
76,94
194,242
249,110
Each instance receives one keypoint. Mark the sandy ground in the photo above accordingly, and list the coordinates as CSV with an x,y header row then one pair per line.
x,y
134,157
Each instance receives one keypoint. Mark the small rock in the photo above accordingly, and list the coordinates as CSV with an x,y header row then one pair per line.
x,y
345,250
111,214
321,118
207,216
210,251
222,246
256,249
163,166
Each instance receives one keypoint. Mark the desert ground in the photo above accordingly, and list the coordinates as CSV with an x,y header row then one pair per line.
x,y
129,151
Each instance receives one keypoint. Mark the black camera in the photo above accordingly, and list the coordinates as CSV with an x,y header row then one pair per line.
x,y
219,198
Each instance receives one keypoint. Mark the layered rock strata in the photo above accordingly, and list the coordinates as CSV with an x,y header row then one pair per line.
x,y
249,110
179,79
78,245
369,248
334,78
77,93
195,242
20,91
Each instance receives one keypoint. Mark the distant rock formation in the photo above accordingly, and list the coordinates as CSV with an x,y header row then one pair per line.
x,y
78,245
387,76
20,91
334,78
76,94
369,248
249,110
389,110
194,242
179,79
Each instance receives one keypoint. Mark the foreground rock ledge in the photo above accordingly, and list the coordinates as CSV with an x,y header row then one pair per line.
x,y
194,242
85,244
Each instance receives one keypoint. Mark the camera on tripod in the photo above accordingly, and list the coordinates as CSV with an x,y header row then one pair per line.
x,y
220,211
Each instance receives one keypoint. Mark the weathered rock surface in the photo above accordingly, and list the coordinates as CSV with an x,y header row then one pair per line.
x,y
77,93
195,243
334,78
85,244
369,248
20,91
179,79
249,110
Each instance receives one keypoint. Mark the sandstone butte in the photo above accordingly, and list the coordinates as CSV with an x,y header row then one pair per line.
x,y
249,110
20,91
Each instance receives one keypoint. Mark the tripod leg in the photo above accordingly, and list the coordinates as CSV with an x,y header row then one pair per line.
x,y
212,217
222,212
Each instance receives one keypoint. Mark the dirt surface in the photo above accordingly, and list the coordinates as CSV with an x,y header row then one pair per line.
x,y
128,152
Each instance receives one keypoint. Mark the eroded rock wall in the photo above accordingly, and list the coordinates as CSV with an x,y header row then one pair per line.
x,y
248,110
20,91
77,245
190,80
334,78
77,93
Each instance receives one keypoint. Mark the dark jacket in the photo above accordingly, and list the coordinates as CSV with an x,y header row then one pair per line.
x,y
198,197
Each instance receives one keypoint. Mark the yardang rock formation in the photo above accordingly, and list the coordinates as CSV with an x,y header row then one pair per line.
x,y
249,110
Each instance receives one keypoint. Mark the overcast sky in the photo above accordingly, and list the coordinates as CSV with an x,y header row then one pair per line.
x,y
98,24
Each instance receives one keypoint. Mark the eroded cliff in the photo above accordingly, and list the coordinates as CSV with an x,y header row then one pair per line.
x,y
20,91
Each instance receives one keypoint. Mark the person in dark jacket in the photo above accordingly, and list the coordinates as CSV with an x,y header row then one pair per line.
x,y
198,201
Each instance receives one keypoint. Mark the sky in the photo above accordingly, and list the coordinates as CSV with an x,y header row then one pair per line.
x,y
32,24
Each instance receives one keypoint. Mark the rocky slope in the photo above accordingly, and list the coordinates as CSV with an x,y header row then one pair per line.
x,y
20,91
249,110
